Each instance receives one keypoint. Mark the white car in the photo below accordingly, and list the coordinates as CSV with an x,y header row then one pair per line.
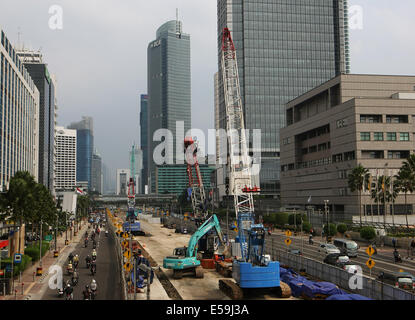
x,y
328,248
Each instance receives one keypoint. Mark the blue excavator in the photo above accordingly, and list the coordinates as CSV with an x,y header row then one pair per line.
x,y
184,260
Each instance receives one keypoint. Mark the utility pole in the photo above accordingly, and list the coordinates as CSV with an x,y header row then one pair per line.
x,y
327,219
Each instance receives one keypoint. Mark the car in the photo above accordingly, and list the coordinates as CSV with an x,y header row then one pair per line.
x,y
337,259
347,247
295,251
328,248
350,267
403,280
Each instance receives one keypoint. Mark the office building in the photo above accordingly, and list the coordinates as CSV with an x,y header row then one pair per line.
x,y
284,49
84,148
19,116
138,167
65,159
96,173
38,70
173,179
169,91
347,121
144,140
123,178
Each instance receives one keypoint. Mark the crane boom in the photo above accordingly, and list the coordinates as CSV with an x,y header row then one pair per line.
x,y
240,179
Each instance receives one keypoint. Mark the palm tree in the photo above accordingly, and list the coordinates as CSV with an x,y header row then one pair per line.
x,y
357,179
405,183
382,192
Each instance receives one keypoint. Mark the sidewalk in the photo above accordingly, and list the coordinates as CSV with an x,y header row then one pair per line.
x,y
32,287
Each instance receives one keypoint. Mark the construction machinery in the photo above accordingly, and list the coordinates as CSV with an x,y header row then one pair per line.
x,y
209,243
184,260
253,269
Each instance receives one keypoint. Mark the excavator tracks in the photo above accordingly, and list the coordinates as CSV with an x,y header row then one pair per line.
x,y
231,289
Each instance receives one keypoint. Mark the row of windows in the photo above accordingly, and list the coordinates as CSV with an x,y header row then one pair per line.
x,y
378,118
379,136
380,154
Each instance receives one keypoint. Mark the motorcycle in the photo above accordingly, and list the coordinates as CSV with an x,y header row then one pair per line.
x,y
310,241
397,256
60,292
86,243
69,269
69,296
75,264
93,294
88,264
106,233
74,281
93,269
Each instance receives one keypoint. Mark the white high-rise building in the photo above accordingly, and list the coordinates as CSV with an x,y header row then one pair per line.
x,y
19,116
65,159
123,177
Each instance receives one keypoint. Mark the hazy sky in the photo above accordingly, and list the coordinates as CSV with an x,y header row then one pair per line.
x,y
100,56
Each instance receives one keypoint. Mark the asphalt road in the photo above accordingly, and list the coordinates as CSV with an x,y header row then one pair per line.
x,y
107,276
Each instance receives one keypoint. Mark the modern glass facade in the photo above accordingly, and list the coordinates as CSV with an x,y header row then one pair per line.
x,y
144,139
284,49
173,179
46,87
96,173
169,87
84,149
19,116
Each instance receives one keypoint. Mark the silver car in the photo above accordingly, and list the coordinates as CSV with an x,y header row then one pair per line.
x,y
328,248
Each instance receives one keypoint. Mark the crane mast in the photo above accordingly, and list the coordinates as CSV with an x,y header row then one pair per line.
x,y
131,183
195,182
240,179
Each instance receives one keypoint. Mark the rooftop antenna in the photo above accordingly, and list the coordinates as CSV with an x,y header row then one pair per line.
x,y
178,26
18,38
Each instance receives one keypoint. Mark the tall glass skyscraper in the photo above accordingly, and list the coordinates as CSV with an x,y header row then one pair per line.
x,y
84,149
284,49
169,87
144,139
38,71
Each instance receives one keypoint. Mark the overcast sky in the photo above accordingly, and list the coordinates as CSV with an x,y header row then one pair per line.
x,y
100,56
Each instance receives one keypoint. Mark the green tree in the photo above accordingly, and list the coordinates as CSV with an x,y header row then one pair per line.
x,y
367,233
357,179
405,181
332,230
341,228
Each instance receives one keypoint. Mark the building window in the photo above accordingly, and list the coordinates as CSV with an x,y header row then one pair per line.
x,y
372,154
404,136
341,123
365,136
371,118
396,119
398,154
348,156
378,136
391,136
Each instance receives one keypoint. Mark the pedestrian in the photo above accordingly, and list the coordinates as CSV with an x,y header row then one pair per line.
x,y
394,243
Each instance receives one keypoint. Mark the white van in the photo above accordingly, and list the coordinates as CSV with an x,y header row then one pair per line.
x,y
348,247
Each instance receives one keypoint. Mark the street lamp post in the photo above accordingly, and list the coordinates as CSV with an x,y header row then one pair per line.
x,y
327,218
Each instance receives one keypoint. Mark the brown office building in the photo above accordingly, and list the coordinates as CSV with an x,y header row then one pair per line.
x,y
349,120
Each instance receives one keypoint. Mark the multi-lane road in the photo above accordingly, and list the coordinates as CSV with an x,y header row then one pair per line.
x,y
108,273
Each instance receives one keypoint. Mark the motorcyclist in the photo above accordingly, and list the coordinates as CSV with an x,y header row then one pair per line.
x,y
94,244
88,261
70,257
76,261
93,267
94,254
106,233
87,293
69,292
397,256
86,234
310,239
94,288
75,277
70,268
86,242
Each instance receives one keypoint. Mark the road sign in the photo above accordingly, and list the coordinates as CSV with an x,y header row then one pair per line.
x,y
127,254
288,242
118,232
127,266
288,233
125,235
17,258
370,263
370,251
48,237
125,244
